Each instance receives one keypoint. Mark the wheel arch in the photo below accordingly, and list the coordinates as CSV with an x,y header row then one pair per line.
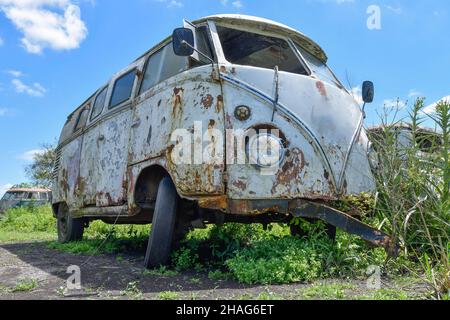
x,y
147,183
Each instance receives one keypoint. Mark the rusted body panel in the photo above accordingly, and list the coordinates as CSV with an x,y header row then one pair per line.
x,y
188,98
326,142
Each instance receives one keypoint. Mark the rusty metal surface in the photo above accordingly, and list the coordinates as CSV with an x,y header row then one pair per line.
x,y
177,104
323,132
306,209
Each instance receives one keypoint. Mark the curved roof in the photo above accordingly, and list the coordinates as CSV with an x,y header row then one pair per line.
x,y
28,190
269,25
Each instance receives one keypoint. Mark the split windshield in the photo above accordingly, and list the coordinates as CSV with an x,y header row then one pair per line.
x,y
251,49
256,50
319,69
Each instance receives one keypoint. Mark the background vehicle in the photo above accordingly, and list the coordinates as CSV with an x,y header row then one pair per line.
x,y
24,197
221,73
426,139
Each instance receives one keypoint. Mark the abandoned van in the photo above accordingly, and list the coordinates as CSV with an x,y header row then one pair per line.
x,y
25,197
231,119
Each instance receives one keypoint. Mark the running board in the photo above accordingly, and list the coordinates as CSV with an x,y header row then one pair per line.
x,y
345,222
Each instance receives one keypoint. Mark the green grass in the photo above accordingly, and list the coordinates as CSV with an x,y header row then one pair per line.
x,y
168,295
161,272
245,253
218,275
132,291
38,224
387,294
252,255
27,224
269,296
328,291
26,285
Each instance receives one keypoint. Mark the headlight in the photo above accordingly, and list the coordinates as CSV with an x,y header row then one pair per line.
x,y
373,157
265,150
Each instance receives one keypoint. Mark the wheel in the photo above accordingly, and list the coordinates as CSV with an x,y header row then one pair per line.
x,y
69,229
163,225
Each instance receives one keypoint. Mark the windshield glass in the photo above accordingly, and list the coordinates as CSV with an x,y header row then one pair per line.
x,y
318,68
13,196
251,49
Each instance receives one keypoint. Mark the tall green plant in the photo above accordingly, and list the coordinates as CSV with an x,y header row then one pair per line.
x,y
413,187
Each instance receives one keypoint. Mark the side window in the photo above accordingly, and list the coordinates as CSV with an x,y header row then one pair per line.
x,y
162,65
99,103
122,89
82,118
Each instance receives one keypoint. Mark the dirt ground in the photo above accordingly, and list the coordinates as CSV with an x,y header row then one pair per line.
x,y
107,277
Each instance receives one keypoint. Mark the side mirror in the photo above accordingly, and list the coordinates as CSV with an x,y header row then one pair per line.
x,y
368,91
183,42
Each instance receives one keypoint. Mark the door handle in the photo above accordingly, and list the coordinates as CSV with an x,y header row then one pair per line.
x,y
136,124
101,138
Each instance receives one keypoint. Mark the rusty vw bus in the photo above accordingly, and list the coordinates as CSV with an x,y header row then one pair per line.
x,y
116,159
24,197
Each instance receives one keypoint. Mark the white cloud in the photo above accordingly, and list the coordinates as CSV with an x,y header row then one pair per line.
x,y
395,103
34,90
432,107
3,111
4,188
15,73
54,24
29,155
172,3
413,93
396,10
238,4
356,92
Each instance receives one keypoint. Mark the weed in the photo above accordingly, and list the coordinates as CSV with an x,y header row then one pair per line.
x,y
269,296
161,272
25,285
168,295
219,275
195,281
132,291
413,181
327,291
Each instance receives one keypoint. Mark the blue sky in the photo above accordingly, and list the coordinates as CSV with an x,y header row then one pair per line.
x,y
55,53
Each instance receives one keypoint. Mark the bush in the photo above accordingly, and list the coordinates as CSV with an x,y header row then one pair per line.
x,y
413,203
283,260
29,220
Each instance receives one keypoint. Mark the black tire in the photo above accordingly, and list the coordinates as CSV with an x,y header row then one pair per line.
x,y
161,237
69,229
